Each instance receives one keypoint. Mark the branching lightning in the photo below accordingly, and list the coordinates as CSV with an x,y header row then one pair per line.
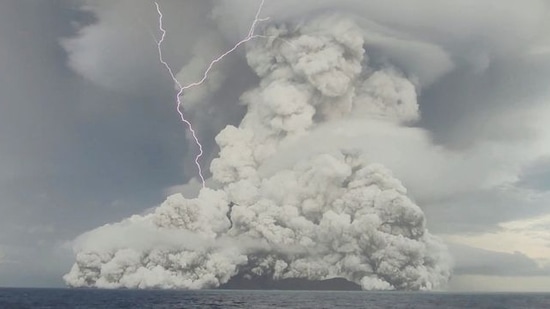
x,y
181,88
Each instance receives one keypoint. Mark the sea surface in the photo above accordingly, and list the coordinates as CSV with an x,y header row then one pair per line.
x,y
90,298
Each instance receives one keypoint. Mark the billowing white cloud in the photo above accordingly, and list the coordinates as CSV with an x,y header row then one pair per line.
x,y
334,216
327,215
311,182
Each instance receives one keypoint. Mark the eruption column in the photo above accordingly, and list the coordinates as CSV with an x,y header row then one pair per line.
x,y
181,88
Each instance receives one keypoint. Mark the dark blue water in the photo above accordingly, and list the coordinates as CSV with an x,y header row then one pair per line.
x,y
67,298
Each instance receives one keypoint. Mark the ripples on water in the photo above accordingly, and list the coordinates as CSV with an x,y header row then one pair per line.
x,y
84,299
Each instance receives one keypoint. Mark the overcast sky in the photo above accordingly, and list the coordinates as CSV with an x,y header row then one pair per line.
x,y
89,136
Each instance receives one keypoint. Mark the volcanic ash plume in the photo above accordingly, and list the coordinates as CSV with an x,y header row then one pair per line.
x,y
322,216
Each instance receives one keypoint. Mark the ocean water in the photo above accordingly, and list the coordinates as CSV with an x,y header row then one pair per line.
x,y
90,298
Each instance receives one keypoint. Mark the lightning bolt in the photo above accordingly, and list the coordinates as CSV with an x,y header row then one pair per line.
x,y
181,88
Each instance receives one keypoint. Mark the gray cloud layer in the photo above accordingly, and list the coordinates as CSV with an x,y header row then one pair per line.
x,y
109,143
474,261
73,155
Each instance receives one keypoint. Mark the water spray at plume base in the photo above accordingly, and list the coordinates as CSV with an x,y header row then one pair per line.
x,y
327,215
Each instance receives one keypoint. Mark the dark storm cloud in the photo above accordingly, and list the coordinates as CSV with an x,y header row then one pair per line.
x,y
131,64
89,136
73,155
465,106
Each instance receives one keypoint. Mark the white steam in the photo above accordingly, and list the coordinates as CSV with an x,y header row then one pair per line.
x,y
324,215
